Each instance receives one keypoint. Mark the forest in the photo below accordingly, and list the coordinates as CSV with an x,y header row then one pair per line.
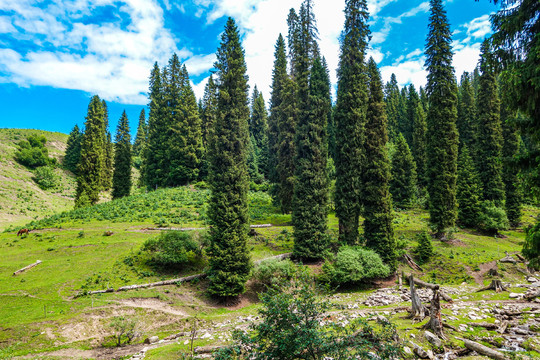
x,y
357,179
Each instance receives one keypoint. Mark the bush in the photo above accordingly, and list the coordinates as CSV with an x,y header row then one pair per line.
x,y
45,177
294,325
173,249
354,265
531,248
125,329
492,219
424,250
32,152
272,271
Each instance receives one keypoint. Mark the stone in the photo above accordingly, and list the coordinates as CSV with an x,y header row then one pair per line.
x,y
514,295
433,339
531,279
206,336
151,340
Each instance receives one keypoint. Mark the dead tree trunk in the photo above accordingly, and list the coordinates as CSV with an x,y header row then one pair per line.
x,y
418,310
435,321
411,263
496,285
483,350
433,287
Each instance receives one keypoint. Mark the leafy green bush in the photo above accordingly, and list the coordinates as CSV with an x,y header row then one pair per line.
x,y
295,325
33,153
271,271
173,249
424,250
492,219
45,177
531,248
353,265
125,329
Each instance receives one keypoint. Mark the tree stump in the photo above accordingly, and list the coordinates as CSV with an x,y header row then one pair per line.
x,y
496,285
418,310
435,320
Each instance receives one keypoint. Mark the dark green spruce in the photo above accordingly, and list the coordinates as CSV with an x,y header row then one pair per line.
x,y
391,97
121,184
92,159
310,210
208,114
259,130
466,121
350,119
510,151
378,228
469,190
442,145
142,135
490,140
106,177
229,261
419,145
73,150
403,182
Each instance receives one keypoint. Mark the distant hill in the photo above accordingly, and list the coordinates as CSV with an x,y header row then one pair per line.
x,y
21,199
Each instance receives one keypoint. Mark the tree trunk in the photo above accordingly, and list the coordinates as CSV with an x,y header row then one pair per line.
x,y
418,310
435,320
483,350
496,285
433,287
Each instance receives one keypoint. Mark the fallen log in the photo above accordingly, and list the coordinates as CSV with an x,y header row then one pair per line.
x,y
277,257
495,285
502,328
421,283
100,291
27,267
207,349
508,259
411,263
483,350
532,295
162,283
521,258
485,325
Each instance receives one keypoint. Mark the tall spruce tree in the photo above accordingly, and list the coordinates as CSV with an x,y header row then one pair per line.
x,y
106,177
154,160
185,144
229,264
490,132
402,113
392,101
403,181
208,113
466,120
122,159
441,121
142,135
424,99
510,151
310,211
73,150
258,127
92,159
350,118
279,77
469,190
413,100
378,228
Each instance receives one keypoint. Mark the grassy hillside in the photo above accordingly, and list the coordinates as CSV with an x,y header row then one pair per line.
x,y
42,316
20,198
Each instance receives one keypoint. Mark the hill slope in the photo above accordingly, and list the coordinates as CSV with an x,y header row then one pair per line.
x,y
21,199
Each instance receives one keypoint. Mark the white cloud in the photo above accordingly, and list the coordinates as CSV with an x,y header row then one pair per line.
x,y
380,36
407,72
478,28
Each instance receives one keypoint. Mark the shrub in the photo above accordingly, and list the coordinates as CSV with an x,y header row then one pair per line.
x,y
173,249
45,177
293,326
531,248
353,265
272,271
424,250
492,219
125,329
32,152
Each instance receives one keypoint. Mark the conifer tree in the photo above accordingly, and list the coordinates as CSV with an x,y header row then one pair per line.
x,y
229,264
286,146
413,101
154,160
92,159
424,100
510,152
122,159
310,211
293,37
419,143
441,121
403,181
378,228
279,77
469,190
466,122
142,135
185,143
402,114
208,119
106,177
259,131
490,132
350,118
73,150
331,126
392,101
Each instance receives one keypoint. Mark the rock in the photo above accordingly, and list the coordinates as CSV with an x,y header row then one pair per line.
x,y
407,350
151,340
531,279
514,295
433,339
206,336
421,353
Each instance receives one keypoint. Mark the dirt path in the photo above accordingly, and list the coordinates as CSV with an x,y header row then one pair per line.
x,y
151,304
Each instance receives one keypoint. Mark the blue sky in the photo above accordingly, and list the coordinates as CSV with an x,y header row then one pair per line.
x,y
55,54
